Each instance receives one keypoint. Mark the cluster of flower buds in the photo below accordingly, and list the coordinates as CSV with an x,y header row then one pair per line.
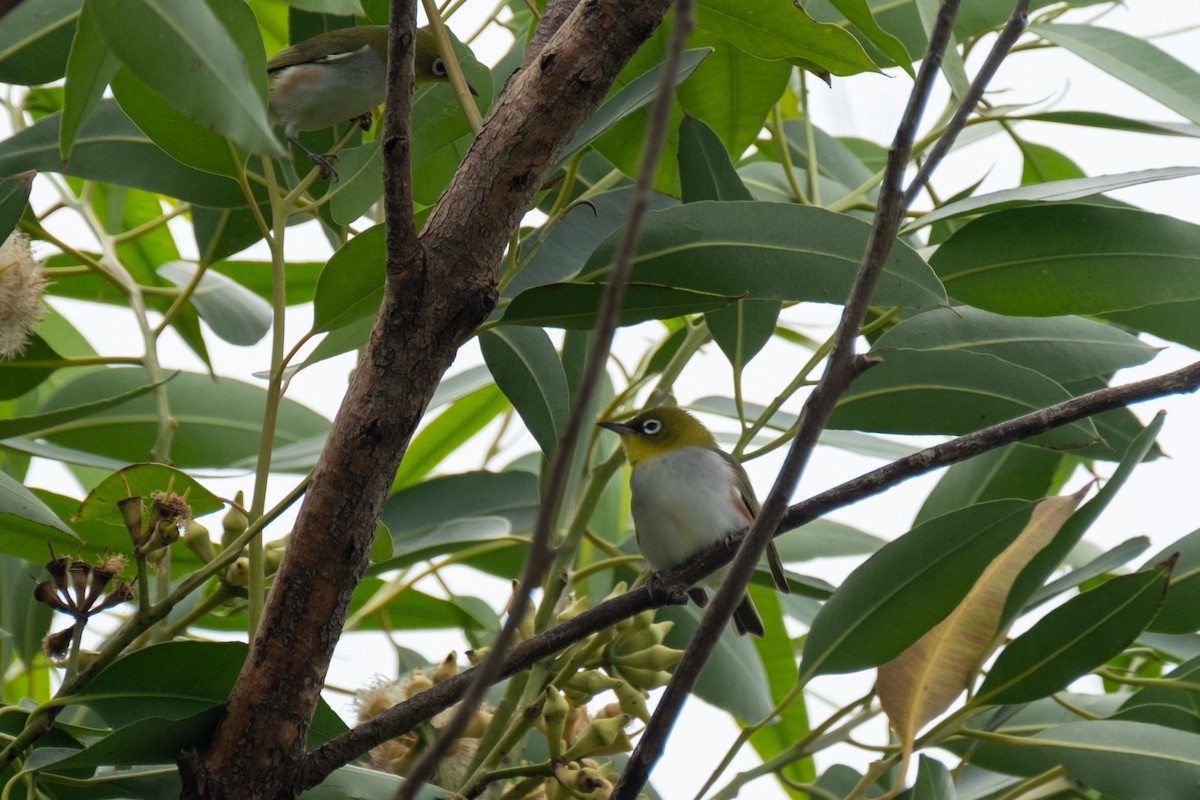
x,y
81,590
585,779
152,534
637,653
398,755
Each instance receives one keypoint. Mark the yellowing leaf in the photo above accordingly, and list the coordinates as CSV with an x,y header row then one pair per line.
x,y
920,683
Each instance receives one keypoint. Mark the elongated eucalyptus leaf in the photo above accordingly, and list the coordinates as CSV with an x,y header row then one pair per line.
x,y
636,94
576,306
200,57
447,432
351,285
1072,532
858,12
1179,613
1124,758
934,781
783,31
1103,564
922,682
1055,191
573,238
34,41
908,586
952,392
1175,702
733,91
32,423
733,678
90,66
18,501
1134,61
177,134
767,251
526,367
145,481
218,422
742,329
1015,470
110,148
1071,259
705,171
1063,349
14,196
234,313
1074,638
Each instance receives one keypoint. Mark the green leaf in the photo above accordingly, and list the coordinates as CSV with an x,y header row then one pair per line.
x,y
351,284
575,235
1099,119
17,501
743,329
576,306
34,41
1058,191
907,587
766,251
144,480
443,435
360,184
196,55
32,423
1042,164
1045,562
705,171
111,149
824,538
14,197
177,134
934,781
858,12
628,99
952,392
1074,639
779,663
1124,758
90,66
1183,598
26,619
1175,702
1063,349
412,610
150,740
783,31
1012,471
423,509
219,421
733,679
1133,61
1071,259
527,369
732,92
234,313
1103,564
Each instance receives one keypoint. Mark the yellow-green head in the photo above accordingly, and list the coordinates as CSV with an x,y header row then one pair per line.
x,y
659,430
330,45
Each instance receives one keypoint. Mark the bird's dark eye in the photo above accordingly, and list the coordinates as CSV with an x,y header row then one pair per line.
x,y
651,427
439,68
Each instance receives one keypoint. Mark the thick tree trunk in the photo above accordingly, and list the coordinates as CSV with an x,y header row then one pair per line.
x,y
440,287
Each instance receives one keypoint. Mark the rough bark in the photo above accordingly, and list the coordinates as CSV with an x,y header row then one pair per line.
x,y
440,287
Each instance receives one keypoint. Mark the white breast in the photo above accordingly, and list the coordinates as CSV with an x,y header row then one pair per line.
x,y
682,504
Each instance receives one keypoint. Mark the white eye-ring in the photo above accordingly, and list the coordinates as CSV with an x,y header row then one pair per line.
x,y
651,427
439,68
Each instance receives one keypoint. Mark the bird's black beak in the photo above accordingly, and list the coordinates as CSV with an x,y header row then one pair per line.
x,y
617,427
473,92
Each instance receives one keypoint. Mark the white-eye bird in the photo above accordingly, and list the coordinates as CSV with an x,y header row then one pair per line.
x,y
687,495
336,76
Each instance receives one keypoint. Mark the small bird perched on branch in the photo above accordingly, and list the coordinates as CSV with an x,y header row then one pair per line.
x,y
336,76
687,495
